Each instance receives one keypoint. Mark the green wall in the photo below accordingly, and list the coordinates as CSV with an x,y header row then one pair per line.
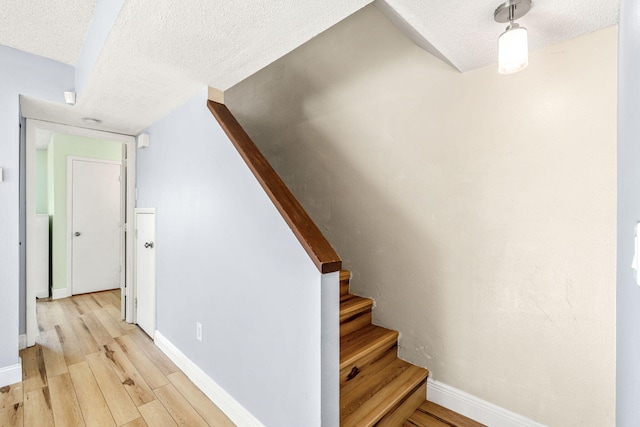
x,y
60,148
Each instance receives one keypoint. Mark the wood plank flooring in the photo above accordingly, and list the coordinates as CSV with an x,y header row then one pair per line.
x,y
89,368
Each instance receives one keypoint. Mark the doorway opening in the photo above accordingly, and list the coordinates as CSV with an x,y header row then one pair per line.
x,y
95,224
77,179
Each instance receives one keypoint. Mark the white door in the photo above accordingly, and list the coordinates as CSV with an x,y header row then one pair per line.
x,y
145,243
96,225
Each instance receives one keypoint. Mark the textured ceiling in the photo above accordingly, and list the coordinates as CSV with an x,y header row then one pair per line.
x,y
466,35
159,52
53,29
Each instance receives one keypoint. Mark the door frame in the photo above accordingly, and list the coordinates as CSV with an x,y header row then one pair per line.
x,y
129,164
123,204
135,272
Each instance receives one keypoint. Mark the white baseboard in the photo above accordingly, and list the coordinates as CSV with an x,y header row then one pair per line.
x,y
22,341
60,293
43,294
11,374
475,408
231,407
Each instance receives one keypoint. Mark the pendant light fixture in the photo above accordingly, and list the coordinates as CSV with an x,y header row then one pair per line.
x,y
513,48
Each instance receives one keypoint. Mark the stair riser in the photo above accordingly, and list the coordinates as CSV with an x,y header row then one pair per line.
x,y
344,287
352,382
352,305
376,388
367,360
379,405
406,408
354,400
355,322
428,414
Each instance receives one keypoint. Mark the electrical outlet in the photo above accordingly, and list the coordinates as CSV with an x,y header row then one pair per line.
x,y
199,331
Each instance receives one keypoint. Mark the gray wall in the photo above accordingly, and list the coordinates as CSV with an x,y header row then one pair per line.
x,y
20,73
226,258
628,292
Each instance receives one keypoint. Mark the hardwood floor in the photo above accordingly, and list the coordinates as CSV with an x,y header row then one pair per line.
x,y
89,368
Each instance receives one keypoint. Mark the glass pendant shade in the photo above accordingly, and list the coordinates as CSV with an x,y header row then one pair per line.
x,y
513,50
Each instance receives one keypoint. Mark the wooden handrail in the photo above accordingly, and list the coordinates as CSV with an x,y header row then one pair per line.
x,y
309,235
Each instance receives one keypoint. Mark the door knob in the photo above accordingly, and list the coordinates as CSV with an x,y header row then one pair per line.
x,y
148,245
77,233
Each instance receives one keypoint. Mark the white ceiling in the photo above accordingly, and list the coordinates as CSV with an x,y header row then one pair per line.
x,y
159,52
53,29
465,33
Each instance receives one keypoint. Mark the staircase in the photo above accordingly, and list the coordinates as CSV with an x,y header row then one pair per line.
x,y
376,388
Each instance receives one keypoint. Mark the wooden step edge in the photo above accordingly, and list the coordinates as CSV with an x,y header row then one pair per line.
x,y
355,322
406,408
423,420
443,415
387,399
389,338
345,279
353,306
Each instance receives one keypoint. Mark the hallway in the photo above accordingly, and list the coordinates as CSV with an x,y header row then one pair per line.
x,y
90,368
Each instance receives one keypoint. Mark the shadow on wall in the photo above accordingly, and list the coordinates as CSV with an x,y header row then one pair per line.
x,y
381,235
467,229
360,216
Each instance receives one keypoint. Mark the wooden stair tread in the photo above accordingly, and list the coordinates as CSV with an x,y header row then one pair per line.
x,y
353,304
364,378
429,411
355,313
424,420
376,388
376,375
364,341
380,394
403,411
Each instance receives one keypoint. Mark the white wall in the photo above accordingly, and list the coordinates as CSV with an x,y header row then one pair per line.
x,y
477,209
20,73
628,297
227,259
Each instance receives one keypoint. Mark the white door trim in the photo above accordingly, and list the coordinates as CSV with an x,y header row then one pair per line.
x,y
129,142
135,312
70,160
